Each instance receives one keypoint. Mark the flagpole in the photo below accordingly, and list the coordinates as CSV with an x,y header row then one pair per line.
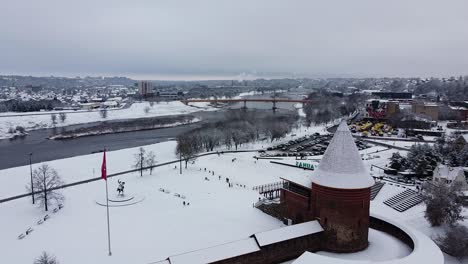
x,y
104,177
108,225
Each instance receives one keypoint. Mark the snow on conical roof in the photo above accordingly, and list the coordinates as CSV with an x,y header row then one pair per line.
x,y
341,166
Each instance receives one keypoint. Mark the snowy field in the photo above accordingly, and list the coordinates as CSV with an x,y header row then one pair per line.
x,y
160,225
136,110
153,229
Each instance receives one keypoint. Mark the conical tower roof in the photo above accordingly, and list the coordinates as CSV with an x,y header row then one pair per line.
x,y
341,166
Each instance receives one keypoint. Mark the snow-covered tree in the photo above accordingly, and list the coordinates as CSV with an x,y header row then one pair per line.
x,y
443,203
422,158
463,157
45,179
455,241
46,258
398,162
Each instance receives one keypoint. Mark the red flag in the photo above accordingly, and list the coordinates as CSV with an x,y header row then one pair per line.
x,y
104,167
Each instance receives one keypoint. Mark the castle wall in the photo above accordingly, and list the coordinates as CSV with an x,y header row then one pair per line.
x,y
296,206
278,252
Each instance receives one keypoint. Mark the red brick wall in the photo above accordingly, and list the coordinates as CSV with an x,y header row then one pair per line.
x,y
296,207
344,214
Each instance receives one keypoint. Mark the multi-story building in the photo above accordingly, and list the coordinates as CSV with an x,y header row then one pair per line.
x,y
145,88
426,109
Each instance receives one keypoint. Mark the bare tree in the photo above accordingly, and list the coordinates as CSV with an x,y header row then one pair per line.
x,y
46,258
443,203
278,130
210,139
186,148
455,241
147,109
140,160
227,138
53,117
151,103
63,117
103,113
20,129
45,179
150,161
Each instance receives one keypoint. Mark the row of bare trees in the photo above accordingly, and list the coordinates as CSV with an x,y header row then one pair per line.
x,y
238,128
327,107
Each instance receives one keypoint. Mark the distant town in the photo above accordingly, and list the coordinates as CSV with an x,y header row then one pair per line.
x,y
437,98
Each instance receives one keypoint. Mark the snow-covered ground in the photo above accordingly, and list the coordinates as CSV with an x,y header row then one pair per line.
x,y
86,167
160,225
136,110
413,217
157,227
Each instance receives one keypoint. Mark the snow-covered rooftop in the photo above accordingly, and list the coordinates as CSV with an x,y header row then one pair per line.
x,y
217,253
289,232
465,136
341,165
449,173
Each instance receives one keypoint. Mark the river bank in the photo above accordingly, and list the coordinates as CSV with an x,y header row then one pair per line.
x,y
126,126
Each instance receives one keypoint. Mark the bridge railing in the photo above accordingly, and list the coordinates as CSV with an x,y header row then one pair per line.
x,y
270,187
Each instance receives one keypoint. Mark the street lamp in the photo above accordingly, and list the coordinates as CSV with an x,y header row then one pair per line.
x,y
30,170
180,161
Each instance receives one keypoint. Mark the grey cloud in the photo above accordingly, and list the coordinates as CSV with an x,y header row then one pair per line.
x,y
225,38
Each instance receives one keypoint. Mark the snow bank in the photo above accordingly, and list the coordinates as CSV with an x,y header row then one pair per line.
x,y
136,110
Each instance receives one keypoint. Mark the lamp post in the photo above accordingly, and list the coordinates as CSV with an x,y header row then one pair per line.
x,y
180,161
30,170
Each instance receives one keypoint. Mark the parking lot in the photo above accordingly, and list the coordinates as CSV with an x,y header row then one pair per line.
x,y
312,145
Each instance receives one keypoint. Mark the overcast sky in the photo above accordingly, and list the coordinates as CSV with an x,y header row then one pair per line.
x,y
159,39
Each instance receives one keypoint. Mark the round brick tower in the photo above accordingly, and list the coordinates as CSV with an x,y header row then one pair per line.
x,y
341,195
